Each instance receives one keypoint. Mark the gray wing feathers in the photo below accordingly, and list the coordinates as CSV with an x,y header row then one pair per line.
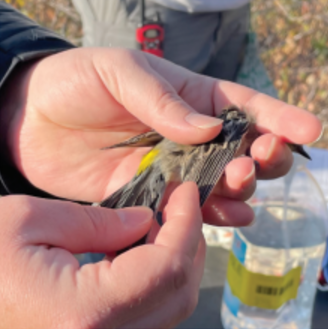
x,y
127,195
145,189
210,168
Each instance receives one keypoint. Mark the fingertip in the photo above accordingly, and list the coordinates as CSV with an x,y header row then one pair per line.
x,y
265,148
219,211
186,195
302,126
202,121
273,155
318,130
194,128
183,221
239,181
185,201
135,217
240,173
310,128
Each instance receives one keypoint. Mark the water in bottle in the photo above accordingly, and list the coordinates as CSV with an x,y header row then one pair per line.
x,y
273,264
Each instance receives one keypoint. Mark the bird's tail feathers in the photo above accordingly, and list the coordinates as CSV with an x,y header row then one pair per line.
x,y
145,189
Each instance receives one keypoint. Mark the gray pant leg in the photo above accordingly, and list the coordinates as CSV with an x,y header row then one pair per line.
x,y
189,38
209,43
230,44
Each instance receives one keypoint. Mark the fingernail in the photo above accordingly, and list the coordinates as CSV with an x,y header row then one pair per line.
x,y
251,174
321,133
271,148
202,121
134,217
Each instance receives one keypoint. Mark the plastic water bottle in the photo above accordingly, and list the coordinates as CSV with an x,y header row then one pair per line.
x,y
273,264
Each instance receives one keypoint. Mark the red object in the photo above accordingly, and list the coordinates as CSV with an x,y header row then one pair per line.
x,y
322,280
150,38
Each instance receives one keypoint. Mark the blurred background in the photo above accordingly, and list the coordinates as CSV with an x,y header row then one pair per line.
x,y
292,35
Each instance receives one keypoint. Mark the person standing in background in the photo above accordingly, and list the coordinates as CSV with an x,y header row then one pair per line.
x,y
207,37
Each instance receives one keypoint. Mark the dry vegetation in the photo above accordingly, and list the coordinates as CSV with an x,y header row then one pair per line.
x,y
293,38
57,15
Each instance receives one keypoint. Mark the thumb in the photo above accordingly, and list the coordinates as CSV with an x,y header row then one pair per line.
x,y
73,227
154,101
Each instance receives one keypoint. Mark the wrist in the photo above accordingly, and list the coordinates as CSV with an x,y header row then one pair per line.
x,y
13,100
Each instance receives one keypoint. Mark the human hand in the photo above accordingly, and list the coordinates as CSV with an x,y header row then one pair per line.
x,y
67,106
151,286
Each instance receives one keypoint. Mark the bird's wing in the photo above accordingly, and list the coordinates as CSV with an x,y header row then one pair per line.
x,y
150,138
207,170
213,157
145,189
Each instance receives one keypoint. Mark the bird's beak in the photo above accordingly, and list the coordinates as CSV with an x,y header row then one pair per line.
x,y
300,150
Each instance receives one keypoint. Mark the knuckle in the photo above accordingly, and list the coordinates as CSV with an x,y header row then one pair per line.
x,y
117,55
94,219
166,102
124,54
180,273
98,220
179,277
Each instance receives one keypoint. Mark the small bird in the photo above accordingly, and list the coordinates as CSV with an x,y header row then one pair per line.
x,y
169,162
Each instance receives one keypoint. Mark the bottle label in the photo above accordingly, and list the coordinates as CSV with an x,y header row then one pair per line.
x,y
239,247
256,289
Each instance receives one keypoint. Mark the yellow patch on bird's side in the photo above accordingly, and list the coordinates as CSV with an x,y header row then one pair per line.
x,y
147,160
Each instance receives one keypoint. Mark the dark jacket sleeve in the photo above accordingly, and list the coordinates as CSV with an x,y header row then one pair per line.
x,y
21,40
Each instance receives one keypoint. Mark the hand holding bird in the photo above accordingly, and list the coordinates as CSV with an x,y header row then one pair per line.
x,y
57,127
